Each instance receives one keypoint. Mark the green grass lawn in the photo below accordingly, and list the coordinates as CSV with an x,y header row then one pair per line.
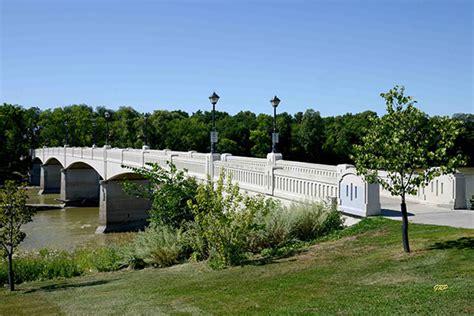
x,y
363,272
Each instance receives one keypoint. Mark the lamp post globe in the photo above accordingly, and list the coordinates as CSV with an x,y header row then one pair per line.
x,y
214,98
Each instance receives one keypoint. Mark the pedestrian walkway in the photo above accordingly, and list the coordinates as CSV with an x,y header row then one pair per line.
x,y
427,214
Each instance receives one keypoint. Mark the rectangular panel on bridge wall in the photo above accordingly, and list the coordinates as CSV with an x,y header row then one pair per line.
x,y
356,196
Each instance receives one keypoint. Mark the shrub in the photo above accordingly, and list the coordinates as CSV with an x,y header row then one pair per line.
x,y
129,258
314,220
168,190
194,241
158,245
46,264
101,259
277,231
228,222
50,264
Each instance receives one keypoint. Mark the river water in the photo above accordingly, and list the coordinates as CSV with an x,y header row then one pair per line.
x,y
66,228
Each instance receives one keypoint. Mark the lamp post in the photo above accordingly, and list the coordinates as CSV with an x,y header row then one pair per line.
x,y
275,102
107,116
94,133
34,137
145,129
213,99
67,133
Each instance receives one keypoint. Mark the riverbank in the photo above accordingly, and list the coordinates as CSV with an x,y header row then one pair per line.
x,y
364,270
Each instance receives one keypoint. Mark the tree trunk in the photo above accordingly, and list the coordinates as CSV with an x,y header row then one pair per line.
x,y
11,279
406,244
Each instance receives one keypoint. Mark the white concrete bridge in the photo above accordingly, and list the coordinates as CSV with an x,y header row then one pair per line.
x,y
84,173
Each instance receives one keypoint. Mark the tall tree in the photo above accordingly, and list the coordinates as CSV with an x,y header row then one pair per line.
x,y
13,214
410,147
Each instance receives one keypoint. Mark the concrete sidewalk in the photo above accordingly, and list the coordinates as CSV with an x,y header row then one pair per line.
x,y
427,214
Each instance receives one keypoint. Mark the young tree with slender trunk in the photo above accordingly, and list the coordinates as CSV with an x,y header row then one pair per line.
x,y
410,146
13,214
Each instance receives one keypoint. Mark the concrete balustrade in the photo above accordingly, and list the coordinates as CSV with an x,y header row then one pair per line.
x,y
451,191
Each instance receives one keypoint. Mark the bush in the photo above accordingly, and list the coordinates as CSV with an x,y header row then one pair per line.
x,y
228,222
47,264
277,232
100,259
50,264
169,192
158,245
314,220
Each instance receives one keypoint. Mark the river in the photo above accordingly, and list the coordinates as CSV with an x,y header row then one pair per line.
x,y
64,229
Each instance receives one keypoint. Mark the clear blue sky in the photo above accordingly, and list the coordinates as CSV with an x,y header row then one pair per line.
x,y
332,56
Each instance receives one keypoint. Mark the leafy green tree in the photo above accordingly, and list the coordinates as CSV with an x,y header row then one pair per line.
x,y
125,128
16,126
261,136
409,146
169,192
342,133
309,136
465,142
13,214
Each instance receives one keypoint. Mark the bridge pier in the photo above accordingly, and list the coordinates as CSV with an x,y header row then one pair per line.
x,y
35,173
80,186
50,179
119,211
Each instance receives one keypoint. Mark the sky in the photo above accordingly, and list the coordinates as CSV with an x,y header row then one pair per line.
x,y
331,56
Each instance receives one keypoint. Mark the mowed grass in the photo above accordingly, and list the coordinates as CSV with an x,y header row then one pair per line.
x,y
363,271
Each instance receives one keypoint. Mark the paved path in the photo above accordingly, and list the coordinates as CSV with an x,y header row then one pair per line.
x,y
427,214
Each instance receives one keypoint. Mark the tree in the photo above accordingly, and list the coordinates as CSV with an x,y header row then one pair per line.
x,y
410,146
309,136
13,214
169,192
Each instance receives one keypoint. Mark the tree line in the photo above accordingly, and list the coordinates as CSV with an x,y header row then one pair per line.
x,y
304,136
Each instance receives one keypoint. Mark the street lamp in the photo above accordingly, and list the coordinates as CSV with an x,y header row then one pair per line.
x,y
145,128
107,116
213,99
67,133
34,137
275,102
94,133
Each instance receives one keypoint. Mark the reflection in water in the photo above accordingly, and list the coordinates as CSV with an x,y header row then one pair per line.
x,y
35,198
65,228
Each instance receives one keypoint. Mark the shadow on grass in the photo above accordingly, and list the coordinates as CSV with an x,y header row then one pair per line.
x,y
392,213
56,287
461,243
275,258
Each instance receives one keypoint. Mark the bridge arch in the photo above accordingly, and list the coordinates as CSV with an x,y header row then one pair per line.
x,y
80,184
119,210
52,161
50,175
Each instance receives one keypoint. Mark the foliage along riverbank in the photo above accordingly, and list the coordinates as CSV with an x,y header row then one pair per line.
x,y
162,246
359,270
